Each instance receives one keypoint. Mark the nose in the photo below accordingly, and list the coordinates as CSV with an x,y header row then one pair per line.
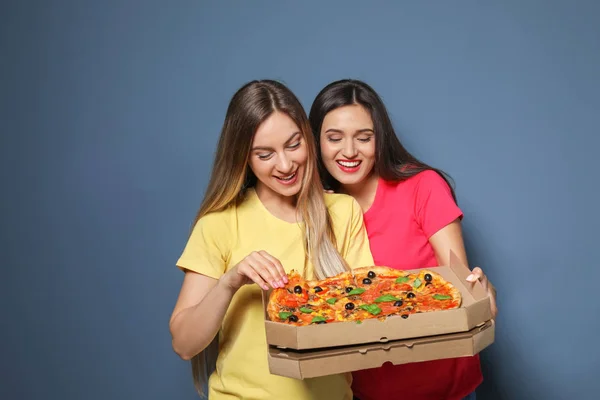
x,y
349,151
285,164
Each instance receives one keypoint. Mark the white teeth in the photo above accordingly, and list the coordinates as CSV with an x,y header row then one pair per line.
x,y
349,164
286,178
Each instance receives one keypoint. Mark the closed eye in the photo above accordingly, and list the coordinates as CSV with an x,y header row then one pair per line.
x,y
294,146
334,140
264,156
364,140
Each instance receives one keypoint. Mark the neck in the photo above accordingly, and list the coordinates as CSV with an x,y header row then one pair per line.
x,y
364,191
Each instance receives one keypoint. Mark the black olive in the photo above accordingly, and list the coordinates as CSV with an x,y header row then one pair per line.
x,y
371,274
410,295
428,277
293,318
318,289
398,303
349,306
367,281
348,289
321,322
428,283
404,316
297,289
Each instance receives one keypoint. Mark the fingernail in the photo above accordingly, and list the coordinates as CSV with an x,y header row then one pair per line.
x,y
471,278
285,279
281,282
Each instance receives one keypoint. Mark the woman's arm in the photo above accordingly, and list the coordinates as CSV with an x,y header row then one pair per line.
x,y
203,301
198,313
450,238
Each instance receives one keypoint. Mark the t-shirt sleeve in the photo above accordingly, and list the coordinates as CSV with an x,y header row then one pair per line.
x,y
434,206
358,253
209,246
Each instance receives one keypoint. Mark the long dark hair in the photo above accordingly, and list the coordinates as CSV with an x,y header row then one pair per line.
x,y
392,161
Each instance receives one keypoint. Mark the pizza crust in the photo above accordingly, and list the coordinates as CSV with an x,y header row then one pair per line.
x,y
378,270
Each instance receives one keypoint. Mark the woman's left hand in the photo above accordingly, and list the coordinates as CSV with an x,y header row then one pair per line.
x,y
477,274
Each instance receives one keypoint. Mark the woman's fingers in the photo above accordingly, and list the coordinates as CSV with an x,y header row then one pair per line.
x,y
283,279
263,269
477,274
266,269
247,270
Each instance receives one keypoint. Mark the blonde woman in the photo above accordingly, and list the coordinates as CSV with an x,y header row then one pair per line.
x,y
264,213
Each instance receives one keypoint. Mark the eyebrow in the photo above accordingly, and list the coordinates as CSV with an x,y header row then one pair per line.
x,y
365,130
292,137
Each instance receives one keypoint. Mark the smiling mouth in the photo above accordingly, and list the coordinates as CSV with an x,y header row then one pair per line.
x,y
349,164
287,178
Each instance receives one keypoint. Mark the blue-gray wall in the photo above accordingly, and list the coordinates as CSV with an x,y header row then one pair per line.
x,y
110,112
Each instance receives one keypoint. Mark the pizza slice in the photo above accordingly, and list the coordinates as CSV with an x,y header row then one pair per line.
x,y
435,293
285,303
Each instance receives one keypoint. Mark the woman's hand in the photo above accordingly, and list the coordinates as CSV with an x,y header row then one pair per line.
x,y
258,267
477,274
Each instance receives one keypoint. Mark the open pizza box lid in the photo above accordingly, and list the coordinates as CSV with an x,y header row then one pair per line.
x,y
474,310
314,363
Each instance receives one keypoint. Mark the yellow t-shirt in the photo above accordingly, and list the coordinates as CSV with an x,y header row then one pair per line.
x,y
221,240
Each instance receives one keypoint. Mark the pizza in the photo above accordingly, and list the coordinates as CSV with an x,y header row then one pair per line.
x,y
360,294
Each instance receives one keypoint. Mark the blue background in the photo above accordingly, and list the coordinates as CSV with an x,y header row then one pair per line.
x,y
110,112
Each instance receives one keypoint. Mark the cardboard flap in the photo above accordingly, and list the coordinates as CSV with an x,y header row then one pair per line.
x,y
265,300
462,271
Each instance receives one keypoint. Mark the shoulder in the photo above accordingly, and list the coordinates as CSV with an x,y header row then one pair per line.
x,y
246,206
341,203
427,180
344,210
429,177
216,224
217,218
430,183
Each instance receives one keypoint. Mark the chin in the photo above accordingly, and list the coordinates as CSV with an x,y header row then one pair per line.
x,y
347,180
291,192
288,191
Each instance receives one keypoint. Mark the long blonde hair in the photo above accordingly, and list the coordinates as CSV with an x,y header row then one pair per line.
x,y
231,175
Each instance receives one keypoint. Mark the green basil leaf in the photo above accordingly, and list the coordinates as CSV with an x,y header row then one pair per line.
x,y
356,291
371,308
441,297
359,321
417,283
284,315
332,300
306,310
386,297
402,279
318,318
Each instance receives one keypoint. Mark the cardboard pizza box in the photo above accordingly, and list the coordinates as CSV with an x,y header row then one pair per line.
x,y
474,310
301,364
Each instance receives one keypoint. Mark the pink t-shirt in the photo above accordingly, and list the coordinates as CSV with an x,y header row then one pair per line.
x,y
402,218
